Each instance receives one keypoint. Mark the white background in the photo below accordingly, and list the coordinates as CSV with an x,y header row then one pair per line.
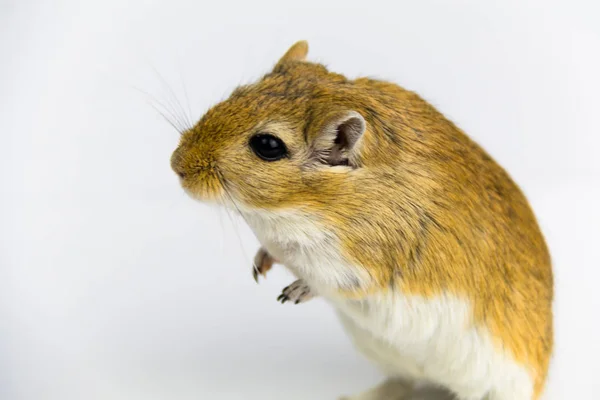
x,y
115,285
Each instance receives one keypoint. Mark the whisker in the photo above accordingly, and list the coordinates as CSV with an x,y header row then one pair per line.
x,y
177,105
223,233
170,106
178,129
164,112
185,93
222,182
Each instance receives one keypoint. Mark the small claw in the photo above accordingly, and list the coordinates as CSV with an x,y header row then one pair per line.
x,y
262,263
281,297
297,301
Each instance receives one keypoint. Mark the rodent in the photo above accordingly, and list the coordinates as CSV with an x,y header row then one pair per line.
x,y
424,245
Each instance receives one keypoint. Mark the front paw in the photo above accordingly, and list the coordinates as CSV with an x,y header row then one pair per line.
x,y
263,262
297,292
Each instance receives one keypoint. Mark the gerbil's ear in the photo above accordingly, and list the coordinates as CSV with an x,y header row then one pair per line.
x,y
337,139
297,52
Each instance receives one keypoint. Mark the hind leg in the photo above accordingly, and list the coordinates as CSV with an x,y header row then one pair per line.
x,y
509,392
390,389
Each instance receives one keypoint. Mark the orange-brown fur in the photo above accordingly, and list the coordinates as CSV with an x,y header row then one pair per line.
x,y
426,211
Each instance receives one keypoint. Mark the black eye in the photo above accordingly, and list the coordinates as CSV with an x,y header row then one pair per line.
x,y
268,147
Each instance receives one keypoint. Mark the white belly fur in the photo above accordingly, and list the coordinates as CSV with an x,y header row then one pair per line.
x,y
431,339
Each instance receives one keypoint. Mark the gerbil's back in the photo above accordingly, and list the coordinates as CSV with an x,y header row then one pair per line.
x,y
461,224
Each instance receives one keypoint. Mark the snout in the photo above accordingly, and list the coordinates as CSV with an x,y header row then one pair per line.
x,y
197,175
177,164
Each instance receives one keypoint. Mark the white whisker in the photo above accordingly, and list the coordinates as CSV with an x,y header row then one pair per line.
x,y
174,101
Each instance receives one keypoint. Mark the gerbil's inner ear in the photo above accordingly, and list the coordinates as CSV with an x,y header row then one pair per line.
x,y
297,52
338,140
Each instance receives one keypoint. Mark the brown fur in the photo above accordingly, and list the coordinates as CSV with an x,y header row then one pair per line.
x,y
426,210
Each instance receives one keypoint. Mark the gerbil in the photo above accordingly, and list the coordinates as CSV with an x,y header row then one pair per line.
x,y
424,245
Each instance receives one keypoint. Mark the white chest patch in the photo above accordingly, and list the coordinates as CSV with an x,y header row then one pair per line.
x,y
309,250
431,339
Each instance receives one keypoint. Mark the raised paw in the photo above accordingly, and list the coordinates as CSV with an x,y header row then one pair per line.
x,y
263,262
297,292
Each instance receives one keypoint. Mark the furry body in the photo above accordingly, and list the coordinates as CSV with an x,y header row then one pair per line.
x,y
422,242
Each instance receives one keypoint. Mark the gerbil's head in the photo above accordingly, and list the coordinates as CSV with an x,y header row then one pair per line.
x,y
287,140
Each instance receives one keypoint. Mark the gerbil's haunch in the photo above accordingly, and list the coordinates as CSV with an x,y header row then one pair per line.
x,y
424,245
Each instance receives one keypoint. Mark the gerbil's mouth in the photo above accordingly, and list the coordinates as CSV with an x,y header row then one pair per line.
x,y
203,186
214,191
